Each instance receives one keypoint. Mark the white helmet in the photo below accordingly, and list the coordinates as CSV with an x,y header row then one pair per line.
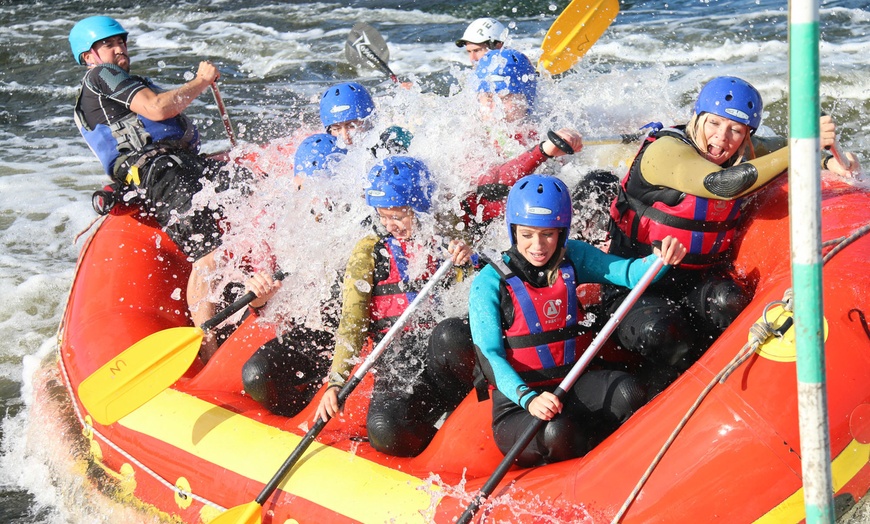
x,y
483,30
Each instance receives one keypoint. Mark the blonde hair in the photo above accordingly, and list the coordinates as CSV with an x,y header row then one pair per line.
x,y
695,132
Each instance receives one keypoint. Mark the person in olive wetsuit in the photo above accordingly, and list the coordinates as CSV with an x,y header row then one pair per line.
x,y
690,182
528,329
412,390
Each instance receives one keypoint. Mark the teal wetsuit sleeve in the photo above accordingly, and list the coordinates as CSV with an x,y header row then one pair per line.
x,y
593,265
484,317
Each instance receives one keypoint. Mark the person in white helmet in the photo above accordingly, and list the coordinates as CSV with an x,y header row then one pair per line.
x,y
481,36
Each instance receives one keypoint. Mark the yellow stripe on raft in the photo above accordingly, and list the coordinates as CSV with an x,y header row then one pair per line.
x,y
843,469
343,482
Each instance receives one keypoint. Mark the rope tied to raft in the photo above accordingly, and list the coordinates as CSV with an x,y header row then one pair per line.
x,y
89,429
760,332
842,242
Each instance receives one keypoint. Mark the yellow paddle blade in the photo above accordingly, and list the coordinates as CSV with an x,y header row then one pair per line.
x,y
579,26
139,373
246,514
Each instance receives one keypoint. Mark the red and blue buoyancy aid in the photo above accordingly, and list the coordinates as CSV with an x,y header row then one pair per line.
x,y
542,342
392,295
134,134
643,213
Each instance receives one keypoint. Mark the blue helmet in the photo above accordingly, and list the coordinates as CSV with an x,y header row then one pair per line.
x,y
91,30
316,154
733,98
344,102
399,181
538,201
507,71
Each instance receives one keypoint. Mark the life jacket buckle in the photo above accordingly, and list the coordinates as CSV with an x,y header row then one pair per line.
x,y
133,176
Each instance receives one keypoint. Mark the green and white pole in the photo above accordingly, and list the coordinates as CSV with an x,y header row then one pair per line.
x,y
806,258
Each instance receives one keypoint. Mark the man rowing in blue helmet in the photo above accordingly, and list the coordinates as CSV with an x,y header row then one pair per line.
x,y
144,141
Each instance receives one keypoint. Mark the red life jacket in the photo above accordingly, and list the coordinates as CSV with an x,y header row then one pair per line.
x,y
547,335
393,294
643,213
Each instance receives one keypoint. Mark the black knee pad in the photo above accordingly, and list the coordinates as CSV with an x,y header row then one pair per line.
x,y
394,435
281,378
451,355
627,395
657,329
255,377
563,438
718,302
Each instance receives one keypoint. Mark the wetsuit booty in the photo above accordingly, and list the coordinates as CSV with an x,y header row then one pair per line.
x,y
718,302
391,431
283,377
657,329
450,361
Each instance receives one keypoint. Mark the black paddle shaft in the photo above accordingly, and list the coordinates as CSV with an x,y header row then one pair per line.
x,y
376,61
566,148
306,441
365,45
236,306
505,465
560,142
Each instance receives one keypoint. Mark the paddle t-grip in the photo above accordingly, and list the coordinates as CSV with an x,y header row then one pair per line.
x,y
236,306
560,142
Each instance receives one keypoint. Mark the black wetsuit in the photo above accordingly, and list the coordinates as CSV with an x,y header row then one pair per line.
x,y
168,168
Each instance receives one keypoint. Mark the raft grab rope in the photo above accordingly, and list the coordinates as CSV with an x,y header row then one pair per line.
x,y
88,427
760,332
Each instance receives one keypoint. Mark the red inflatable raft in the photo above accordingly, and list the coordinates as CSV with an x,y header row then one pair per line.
x,y
202,446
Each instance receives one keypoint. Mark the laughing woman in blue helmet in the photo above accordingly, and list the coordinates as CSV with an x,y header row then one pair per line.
x,y
690,182
382,272
528,329
507,87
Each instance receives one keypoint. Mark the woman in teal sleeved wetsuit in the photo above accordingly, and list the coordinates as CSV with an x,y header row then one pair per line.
x,y
528,329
